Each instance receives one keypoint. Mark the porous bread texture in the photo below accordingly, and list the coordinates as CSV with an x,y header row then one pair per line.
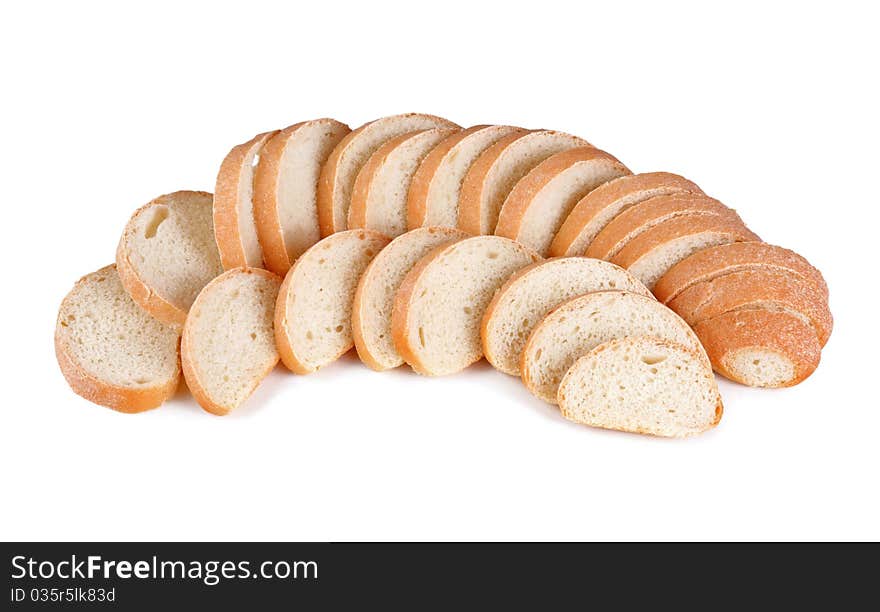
x,y
349,156
527,296
378,200
583,323
286,189
167,253
600,206
235,229
313,313
641,385
435,322
539,203
495,172
433,195
228,342
110,351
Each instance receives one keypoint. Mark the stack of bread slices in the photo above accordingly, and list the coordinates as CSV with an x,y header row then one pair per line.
x,y
422,243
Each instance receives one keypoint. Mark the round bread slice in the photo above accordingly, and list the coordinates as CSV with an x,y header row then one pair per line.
x,y
374,298
234,227
760,348
643,216
313,313
435,322
641,385
167,253
110,351
228,343
709,264
542,199
527,296
495,172
433,195
286,189
653,252
601,205
378,199
583,323
349,156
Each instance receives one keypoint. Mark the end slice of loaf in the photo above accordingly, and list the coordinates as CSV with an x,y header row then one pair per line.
x,y
641,385
527,296
600,206
539,203
374,298
110,351
167,253
313,313
435,323
286,189
228,342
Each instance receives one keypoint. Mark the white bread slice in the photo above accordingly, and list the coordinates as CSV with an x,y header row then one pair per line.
x,y
527,296
436,186
374,298
313,313
228,344
378,199
345,162
641,385
435,322
112,352
286,189
234,227
583,323
167,253
601,205
542,199
495,172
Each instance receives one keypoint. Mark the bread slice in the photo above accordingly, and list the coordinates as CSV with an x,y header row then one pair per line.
x,y
600,206
435,322
495,172
228,343
313,313
653,252
112,352
345,162
286,189
378,199
760,348
641,385
709,264
436,186
527,296
374,298
167,253
583,323
539,203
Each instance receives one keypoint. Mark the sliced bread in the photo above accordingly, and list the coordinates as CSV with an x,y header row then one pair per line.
x,y
313,313
167,253
378,199
110,351
435,323
349,156
228,343
527,296
583,323
601,205
374,298
286,189
641,385
539,203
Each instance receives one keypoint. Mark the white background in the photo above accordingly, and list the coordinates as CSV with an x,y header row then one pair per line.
x,y
770,107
